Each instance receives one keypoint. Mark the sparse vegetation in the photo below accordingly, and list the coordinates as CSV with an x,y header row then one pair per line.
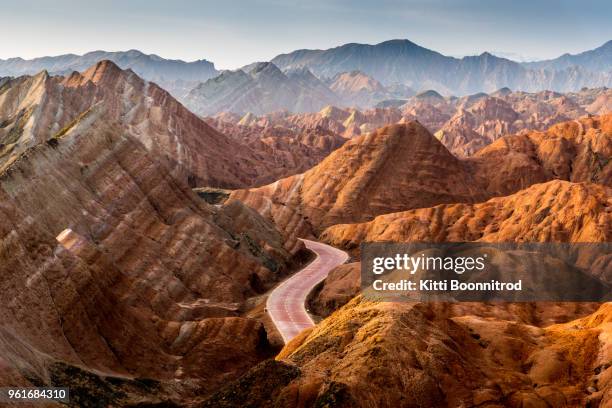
x,y
72,124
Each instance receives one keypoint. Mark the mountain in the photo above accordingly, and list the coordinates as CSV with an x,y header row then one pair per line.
x,y
471,129
304,78
539,213
482,338
295,149
174,75
547,186
596,60
351,75
402,167
402,61
464,125
576,151
263,89
394,168
379,61
479,120
113,270
406,354
396,64
120,283
548,174
358,89
42,107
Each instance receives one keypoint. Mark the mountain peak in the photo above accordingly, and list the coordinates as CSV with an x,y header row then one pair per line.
x,y
135,53
267,70
372,166
398,41
355,81
502,91
168,73
353,73
429,94
101,71
43,74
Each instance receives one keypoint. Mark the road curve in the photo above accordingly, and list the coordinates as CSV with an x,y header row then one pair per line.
x,y
286,304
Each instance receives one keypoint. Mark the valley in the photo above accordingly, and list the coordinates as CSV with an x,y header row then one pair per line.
x,y
173,234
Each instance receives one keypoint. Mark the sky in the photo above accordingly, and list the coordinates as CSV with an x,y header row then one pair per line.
x,y
234,33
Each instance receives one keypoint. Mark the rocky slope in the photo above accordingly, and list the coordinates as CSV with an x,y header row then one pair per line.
x,y
471,129
577,151
415,355
599,102
557,211
339,287
118,281
394,168
571,152
395,354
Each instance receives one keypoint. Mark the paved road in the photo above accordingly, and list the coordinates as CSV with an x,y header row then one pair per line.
x,y
580,126
286,303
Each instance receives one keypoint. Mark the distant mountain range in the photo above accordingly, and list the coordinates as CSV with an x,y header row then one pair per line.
x,y
359,75
175,75
402,61
597,60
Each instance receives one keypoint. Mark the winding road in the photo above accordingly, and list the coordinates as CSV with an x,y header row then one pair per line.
x,y
286,304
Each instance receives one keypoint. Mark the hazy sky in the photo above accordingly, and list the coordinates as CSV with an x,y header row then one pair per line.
x,y
234,33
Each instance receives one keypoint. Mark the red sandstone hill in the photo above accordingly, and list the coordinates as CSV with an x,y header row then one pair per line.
x,y
388,354
120,282
552,186
289,150
415,355
577,151
392,169
358,89
464,125
557,211
39,108
397,354
116,277
404,167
